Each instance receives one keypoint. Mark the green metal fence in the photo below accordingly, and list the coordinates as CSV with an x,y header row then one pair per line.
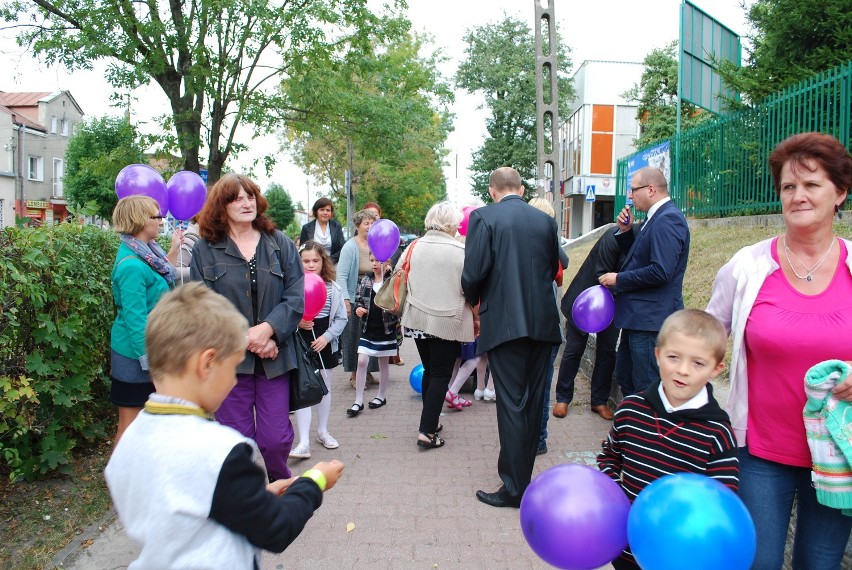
x,y
723,165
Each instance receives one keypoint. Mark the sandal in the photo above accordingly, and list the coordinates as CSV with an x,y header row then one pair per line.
x,y
354,410
377,403
439,428
433,443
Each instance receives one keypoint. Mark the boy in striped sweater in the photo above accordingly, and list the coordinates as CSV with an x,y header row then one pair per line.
x,y
675,425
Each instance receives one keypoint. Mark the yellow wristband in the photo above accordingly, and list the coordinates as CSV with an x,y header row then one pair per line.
x,y
317,476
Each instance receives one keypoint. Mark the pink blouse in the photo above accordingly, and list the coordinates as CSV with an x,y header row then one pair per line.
x,y
786,333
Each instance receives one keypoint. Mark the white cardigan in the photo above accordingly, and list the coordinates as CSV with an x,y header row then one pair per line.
x,y
734,291
435,303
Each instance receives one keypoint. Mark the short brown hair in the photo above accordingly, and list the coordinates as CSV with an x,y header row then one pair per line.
x,y
213,218
131,213
322,203
373,206
823,149
189,320
698,324
505,178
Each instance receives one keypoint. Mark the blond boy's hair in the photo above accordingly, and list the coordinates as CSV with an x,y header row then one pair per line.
x,y
131,213
189,320
698,324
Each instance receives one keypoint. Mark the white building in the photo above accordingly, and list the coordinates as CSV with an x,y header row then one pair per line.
x,y
600,131
34,131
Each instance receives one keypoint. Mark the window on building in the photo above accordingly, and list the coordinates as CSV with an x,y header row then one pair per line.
x,y
58,177
36,168
64,125
53,122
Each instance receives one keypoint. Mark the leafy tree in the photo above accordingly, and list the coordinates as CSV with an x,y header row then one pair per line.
x,y
656,96
215,61
280,205
95,155
500,64
791,40
388,106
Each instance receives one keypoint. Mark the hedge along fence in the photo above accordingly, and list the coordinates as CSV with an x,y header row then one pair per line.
x,y
57,311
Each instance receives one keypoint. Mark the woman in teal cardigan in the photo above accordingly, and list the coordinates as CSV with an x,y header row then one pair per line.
x,y
141,274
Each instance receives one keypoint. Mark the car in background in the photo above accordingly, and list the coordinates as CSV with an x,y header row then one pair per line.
x,y
405,239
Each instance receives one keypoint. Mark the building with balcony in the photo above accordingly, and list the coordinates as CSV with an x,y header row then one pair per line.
x,y
34,131
600,130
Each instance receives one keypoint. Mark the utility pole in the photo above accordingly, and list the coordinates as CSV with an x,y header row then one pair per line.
x,y
546,102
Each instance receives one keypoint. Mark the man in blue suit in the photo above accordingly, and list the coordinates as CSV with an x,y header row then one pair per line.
x,y
649,286
511,259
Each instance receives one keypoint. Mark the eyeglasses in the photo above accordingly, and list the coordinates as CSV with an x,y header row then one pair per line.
x,y
156,217
632,190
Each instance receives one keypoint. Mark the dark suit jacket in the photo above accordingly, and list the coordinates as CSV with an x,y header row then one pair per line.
x,y
511,258
649,287
605,256
337,239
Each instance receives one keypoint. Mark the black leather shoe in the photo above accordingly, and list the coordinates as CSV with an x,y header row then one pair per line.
x,y
498,499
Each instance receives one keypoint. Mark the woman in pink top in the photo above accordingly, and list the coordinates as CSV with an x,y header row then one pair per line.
x,y
787,301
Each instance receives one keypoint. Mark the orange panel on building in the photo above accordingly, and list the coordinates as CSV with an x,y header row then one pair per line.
x,y
601,153
603,118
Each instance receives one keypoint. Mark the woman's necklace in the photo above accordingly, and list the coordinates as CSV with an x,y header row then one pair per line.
x,y
809,272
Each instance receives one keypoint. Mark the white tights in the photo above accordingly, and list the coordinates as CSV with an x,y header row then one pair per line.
x,y
480,363
303,416
361,377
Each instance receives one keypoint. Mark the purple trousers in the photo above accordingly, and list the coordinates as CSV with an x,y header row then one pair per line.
x,y
259,408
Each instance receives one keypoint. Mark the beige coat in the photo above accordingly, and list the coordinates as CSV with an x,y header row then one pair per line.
x,y
435,303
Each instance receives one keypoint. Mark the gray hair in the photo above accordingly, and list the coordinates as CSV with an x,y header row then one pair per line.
x,y
443,217
362,215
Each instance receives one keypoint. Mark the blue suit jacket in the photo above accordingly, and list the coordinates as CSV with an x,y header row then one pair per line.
x,y
650,283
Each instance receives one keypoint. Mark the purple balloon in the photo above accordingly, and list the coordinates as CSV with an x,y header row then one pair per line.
x,y
575,517
187,193
142,179
593,309
383,239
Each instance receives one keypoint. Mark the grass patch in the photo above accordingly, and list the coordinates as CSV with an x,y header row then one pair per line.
x,y
38,519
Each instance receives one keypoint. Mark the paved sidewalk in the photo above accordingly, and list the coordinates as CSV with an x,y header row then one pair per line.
x,y
409,508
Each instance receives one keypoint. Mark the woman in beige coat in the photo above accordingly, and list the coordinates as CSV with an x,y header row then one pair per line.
x,y
436,314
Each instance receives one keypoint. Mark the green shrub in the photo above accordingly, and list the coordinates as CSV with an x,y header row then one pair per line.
x,y
57,311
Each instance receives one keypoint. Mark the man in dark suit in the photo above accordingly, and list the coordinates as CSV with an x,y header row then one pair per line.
x,y
649,286
511,260
605,256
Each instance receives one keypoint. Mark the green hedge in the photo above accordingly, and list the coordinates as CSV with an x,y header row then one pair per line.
x,y
57,311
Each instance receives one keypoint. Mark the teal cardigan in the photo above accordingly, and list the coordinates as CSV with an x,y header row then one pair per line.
x,y
136,288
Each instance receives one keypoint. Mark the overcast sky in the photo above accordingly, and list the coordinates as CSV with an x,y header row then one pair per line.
x,y
615,30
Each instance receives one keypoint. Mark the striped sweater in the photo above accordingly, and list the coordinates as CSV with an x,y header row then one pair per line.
x,y
646,442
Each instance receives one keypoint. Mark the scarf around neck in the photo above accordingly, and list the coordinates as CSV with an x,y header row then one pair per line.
x,y
153,255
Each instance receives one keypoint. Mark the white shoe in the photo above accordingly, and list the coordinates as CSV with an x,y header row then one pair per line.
x,y
301,451
477,394
327,441
489,395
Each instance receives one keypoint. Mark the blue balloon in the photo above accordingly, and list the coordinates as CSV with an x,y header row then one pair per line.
x,y
690,521
416,378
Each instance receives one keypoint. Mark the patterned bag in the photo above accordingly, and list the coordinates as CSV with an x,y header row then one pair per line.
x,y
391,295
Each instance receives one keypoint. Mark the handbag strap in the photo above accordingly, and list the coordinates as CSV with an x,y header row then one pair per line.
x,y
406,263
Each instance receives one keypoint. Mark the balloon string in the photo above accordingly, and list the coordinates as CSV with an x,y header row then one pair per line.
x,y
313,332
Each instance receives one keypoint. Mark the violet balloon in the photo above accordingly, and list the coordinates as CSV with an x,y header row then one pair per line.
x,y
575,517
144,180
315,294
383,239
187,193
593,309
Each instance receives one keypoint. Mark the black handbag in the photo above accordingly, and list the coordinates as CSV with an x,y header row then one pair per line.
x,y
306,384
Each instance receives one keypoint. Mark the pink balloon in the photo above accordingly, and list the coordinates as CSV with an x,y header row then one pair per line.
x,y
465,219
187,193
144,180
383,239
315,294
593,309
